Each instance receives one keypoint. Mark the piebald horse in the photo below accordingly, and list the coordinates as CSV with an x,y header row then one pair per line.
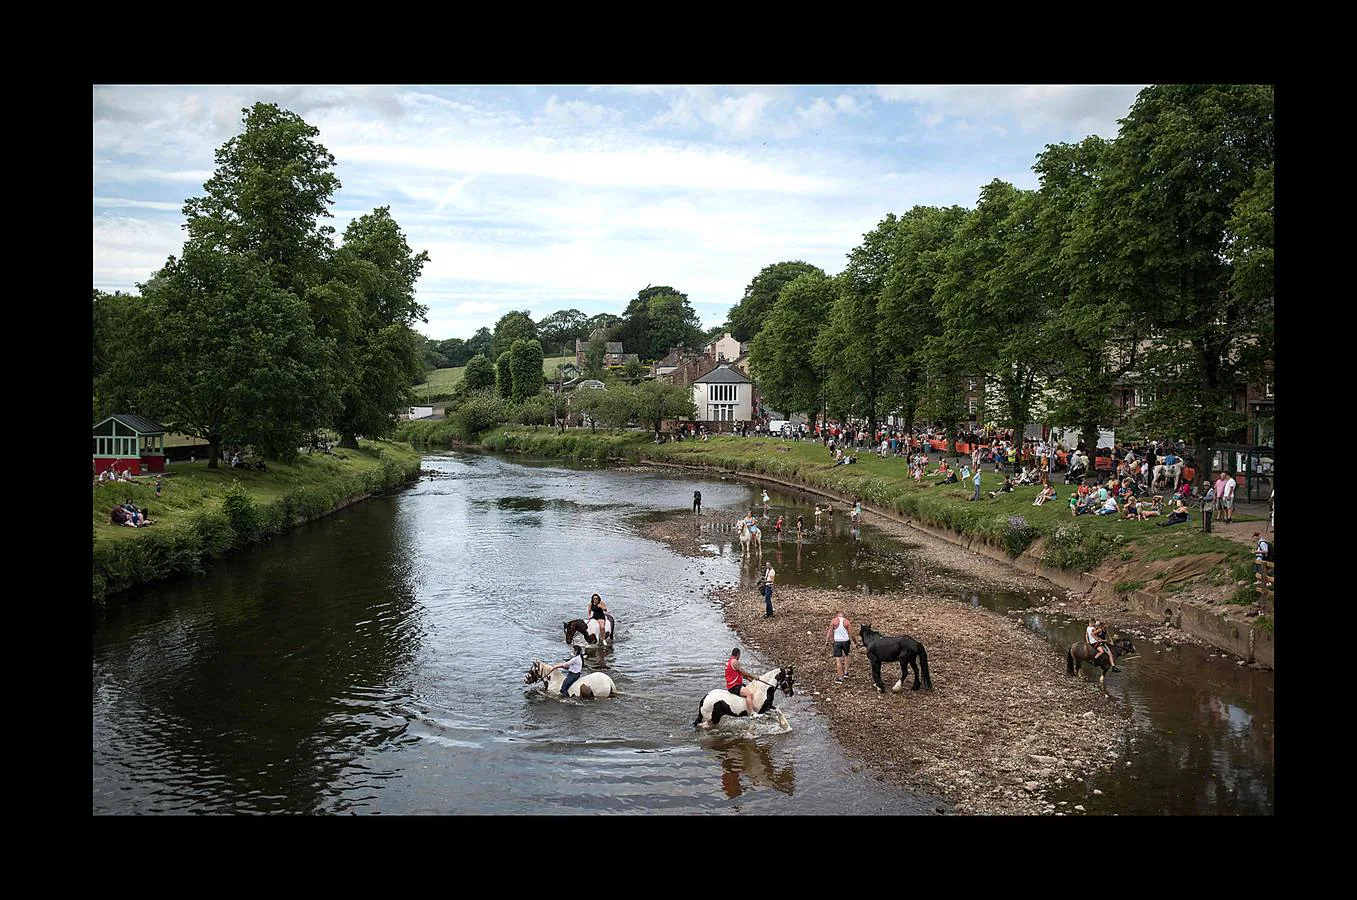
x,y
721,702
589,631
1163,473
595,685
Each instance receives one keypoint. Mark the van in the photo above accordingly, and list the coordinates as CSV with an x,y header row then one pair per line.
x,y
775,426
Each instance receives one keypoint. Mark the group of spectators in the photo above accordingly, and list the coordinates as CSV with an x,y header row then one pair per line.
x,y
129,514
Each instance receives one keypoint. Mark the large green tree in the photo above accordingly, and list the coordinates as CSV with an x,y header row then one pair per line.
x,y
515,325
656,401
504,375
272,185
384,354
561,329
671,321
747,317
479,374
781,358
1186,163
228,356
525,369
909,308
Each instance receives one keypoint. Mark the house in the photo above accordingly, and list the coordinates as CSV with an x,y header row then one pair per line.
x,y
726,349
612,354
724,394
673,361
129,443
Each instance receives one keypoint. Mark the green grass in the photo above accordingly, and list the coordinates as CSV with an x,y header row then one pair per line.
x,y
1125,587
1264,623
1073,544
192,488
442,381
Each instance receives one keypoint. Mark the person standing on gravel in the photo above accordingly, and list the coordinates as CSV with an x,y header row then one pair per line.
x,y
839,635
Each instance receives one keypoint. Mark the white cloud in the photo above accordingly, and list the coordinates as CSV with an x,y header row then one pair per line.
x,y
1083,108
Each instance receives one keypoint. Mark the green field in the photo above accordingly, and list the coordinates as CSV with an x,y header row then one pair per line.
x,y
442,381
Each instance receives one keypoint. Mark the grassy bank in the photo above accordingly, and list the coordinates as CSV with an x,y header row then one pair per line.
x,y
1009,520
204,513
443,381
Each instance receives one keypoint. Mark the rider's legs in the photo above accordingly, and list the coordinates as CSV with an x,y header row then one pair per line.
x,y
748,694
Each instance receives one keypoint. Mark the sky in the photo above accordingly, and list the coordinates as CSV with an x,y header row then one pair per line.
x,y
556,197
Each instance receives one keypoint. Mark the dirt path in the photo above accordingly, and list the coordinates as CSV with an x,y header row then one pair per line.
x,y
1003,725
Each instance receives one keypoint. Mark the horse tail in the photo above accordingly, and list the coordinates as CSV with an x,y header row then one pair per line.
x,y
1069,662
923,664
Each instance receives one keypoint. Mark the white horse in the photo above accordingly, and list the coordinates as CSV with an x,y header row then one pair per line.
x,y
1162,471
748,534
721,702
596,684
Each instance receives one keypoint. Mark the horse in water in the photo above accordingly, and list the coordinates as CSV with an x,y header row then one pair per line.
x,y
903,649
589,630
721,702
1080,652
748,534
595,685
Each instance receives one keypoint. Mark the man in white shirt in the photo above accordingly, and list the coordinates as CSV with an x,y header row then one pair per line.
x,y
1227,499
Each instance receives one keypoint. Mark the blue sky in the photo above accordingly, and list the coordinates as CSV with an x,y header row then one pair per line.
x,y
552,197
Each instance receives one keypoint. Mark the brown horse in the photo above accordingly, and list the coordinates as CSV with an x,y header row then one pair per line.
x,y
1080,652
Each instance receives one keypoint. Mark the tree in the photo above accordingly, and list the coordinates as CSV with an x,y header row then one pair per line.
x,y
596,355
909,309
525,368
747,317
479,374
608,323
635,330
671,321
384,357
656,401
272,184
228,356
504,375
561,328
781,358
515,325
852,349
118,324
633,370
1186,163
478,343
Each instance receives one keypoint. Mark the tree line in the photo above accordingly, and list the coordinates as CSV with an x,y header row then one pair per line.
x,y
1143,259
264,329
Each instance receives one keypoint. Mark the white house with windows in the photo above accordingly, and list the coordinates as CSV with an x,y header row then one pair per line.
x,y
724,395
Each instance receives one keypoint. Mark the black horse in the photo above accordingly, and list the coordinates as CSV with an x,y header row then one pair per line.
x,y
904,649
1080,652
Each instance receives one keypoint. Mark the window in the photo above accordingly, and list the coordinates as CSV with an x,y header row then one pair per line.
x,y
720,412
971,405
1267,389
718,393
1144,396
970,384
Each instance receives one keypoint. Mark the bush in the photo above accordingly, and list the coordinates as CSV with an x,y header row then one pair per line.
x,y
242,515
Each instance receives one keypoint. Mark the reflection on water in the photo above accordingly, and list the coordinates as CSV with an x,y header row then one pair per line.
x,y
372,662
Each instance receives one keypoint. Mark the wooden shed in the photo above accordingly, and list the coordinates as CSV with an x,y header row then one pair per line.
x,y
129,443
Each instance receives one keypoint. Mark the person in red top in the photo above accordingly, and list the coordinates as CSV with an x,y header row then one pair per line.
x,y
735,676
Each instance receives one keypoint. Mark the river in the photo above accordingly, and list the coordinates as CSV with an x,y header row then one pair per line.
x,y
373,661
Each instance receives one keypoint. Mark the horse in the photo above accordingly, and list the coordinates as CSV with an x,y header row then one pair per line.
x,y
595,685
1163,472
904,649
589,631
721,702
1080,652
747,534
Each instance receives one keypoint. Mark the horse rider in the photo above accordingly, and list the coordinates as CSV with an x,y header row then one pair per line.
x,y
575,667
752,523
598,610
1096,637
735,676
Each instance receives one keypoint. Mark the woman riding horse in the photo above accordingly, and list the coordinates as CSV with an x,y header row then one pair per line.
x,y
595,685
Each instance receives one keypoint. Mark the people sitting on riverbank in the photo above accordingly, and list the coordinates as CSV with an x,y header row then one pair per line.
x,y
1177,516
1006,488
950,479
1029,476
1154,507
120,516
1047,493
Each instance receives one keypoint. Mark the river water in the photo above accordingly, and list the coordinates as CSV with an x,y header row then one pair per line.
x,y
373,663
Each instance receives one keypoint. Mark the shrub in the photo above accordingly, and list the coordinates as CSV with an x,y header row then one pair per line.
x,y
241,513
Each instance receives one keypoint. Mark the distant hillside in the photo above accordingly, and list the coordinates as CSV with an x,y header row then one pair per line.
x,y
442,381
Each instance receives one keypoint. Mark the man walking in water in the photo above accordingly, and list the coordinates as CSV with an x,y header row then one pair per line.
x,y
697,503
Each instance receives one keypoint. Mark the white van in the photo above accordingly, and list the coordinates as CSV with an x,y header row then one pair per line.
x,y
776,426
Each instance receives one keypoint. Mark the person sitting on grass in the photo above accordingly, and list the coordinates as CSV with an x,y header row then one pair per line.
x,y
1047,493
1149,510
1007,487
1177,516
1131,510
950,479
1109,507
120,516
